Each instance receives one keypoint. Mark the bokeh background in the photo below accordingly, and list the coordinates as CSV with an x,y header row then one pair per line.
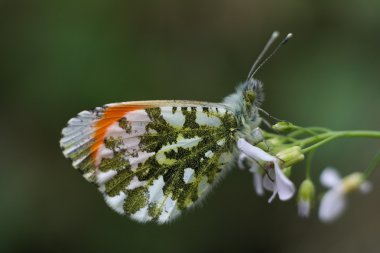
x,y
60,57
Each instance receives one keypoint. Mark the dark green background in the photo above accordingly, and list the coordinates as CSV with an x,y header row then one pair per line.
x,y
60,57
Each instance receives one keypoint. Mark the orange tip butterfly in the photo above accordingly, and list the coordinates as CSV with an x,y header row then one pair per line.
x,y
153,159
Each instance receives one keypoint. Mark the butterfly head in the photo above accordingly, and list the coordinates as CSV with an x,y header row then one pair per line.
x,y
249,95
246,100
252,94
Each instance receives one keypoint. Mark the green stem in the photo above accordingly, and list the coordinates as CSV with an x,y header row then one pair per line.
x,y
308,130
358,133
319,129
324,138
319,144
308,164
296,133
372,166
282,137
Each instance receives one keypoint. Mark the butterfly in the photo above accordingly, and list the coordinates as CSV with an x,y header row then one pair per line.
x,y
153,159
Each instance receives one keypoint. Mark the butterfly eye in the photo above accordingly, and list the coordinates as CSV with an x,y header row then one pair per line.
x,y
249,97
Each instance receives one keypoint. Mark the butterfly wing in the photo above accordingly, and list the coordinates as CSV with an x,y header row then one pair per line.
x,y
151,159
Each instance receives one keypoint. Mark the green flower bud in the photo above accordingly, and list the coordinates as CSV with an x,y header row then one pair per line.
x,y
290,156
273,142
283,126
287,171
306,190
352,182
305,198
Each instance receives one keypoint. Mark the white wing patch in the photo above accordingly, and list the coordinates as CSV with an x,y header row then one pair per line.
x,y
169,211
135,183
141,215
116,202
141,157
209,154
221,142
156,193
181,142
208,120
103,177
138,117
176,119
188,175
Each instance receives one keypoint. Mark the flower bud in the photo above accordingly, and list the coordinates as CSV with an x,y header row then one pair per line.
x,y
273,142
352,182
283,126
305,198
290,156
287,171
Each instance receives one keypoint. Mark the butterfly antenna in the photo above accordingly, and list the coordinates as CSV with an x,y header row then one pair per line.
x,y
272,38
282,43
275,119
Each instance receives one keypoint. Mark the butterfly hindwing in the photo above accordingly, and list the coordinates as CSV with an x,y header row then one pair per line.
x,y
153,159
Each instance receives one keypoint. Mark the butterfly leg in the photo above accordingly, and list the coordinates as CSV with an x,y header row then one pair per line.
x,y
258,137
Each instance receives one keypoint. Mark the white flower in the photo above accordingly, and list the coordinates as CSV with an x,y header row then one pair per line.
x,y
304,207
275,180
241,160
334,201
255,170
257,178
305,198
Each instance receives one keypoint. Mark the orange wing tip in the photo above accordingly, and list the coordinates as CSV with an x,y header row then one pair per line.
x,y
111,114
85,133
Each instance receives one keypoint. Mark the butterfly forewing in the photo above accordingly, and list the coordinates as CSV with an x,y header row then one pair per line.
x,y
152,159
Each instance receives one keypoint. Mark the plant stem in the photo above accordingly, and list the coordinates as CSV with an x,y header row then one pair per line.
x,y
319,129
328,137
372,166
308,164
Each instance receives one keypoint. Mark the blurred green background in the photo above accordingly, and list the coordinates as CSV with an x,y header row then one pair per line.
x,y
60,57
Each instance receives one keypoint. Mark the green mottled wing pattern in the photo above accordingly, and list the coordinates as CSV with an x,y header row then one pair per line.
x,y
157,160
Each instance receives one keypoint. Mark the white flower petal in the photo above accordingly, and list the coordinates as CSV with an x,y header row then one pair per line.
x,y
241,160
285,187
254,167
332,205
257,178
330,177
258,183
273,196
303,208
268,184
254,152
